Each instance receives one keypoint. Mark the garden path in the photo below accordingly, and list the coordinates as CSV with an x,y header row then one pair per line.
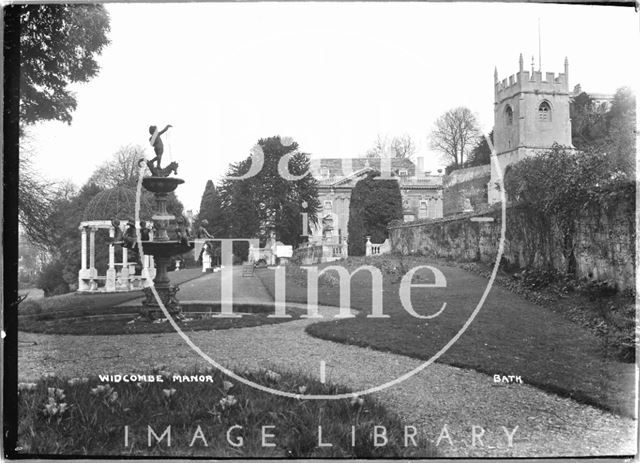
x,y
440,395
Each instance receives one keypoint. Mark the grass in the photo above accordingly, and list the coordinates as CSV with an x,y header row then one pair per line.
x,y
104,314
88,303
510,335
594,305
93,422
124,320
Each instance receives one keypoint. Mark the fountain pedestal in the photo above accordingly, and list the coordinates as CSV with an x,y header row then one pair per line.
x,y
162,248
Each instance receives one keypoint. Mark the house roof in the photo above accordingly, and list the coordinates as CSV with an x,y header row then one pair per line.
x,y
335,166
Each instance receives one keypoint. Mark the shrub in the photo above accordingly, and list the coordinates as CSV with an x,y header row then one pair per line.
x,y
29,307
51,279
374,204
597,289
537,279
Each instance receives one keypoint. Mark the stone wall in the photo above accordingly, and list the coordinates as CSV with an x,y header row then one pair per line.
x,y
470,183
604,242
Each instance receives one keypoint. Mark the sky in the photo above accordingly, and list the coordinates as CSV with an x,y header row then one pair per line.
x,y
333,76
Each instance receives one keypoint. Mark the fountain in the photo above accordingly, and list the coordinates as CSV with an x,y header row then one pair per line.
x,y
161,247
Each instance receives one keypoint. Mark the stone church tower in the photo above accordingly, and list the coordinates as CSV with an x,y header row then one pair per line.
x,y
530,115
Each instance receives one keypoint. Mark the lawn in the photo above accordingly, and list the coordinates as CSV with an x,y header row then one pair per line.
x,y
510,335
94,415
107,314
87,303
125,320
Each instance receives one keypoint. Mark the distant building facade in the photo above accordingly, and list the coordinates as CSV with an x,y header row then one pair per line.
x,y
601,101
421,192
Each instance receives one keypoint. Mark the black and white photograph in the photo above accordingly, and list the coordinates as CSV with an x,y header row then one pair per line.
x,y
320,230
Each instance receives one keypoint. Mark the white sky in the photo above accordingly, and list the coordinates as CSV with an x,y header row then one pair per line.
x,y
331,75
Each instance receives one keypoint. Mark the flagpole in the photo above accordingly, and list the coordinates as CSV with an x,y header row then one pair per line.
x,y
539,48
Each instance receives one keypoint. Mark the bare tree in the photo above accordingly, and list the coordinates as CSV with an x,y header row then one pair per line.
x,y
403,146
34,201
120,170
400,147
455,133
380,146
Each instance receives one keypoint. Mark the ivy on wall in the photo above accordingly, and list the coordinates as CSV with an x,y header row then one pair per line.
x,y
555,188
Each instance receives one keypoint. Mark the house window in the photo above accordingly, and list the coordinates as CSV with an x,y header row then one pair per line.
x,y
423,211
403,172
508,112
325,172
544,112
328,205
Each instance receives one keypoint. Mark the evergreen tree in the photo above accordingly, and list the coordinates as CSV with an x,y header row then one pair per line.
x,y
481,153
268,197
588,122
373,205
621,126
210,207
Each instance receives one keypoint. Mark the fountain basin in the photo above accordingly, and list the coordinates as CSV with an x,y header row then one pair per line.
x,y
161,184
165,248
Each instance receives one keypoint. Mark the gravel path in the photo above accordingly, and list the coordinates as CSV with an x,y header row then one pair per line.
x,y
440,395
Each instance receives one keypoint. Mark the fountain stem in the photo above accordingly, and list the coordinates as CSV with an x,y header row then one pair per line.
x,y
162,248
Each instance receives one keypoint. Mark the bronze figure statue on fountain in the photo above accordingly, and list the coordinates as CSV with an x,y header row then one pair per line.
x,y
158,147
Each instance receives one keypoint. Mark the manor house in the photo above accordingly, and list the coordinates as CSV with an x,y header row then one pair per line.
x,y
421,191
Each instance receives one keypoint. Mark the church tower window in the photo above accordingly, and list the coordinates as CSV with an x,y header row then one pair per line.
x,y
508,112
544,112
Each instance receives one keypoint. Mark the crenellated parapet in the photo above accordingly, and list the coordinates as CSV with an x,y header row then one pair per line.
x,y
531,82
535,82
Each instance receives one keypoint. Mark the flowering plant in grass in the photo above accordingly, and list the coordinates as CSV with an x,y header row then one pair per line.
x,y
105,392
227,401
226,386
273,376
57,394
168,393
26,386
357,402
81,418
74,381
54,407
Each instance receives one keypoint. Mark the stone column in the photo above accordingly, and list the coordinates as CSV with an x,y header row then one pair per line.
x,y
367,246
93,273
110,284
84,273
83,248
124,273
92,251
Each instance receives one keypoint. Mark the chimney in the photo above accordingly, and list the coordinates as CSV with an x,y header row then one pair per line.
x,y
420,167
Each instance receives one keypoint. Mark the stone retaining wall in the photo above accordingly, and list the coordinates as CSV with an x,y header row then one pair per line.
x,y
604,242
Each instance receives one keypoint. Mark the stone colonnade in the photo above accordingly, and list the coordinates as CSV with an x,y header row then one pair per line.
x,y
121,275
